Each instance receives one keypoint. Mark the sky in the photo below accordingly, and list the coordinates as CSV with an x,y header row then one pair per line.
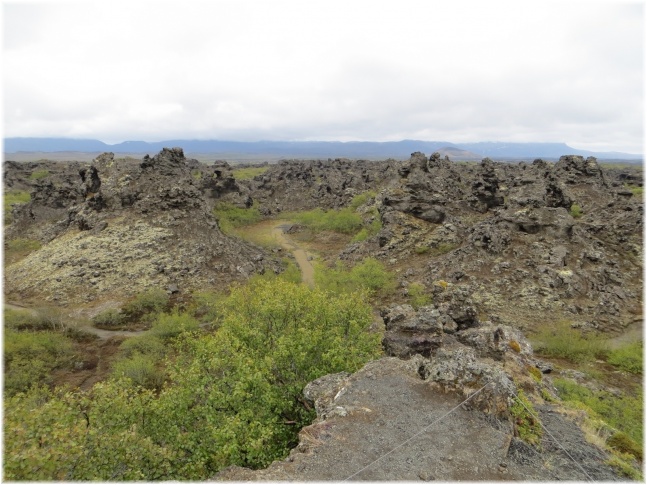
x,y
437,70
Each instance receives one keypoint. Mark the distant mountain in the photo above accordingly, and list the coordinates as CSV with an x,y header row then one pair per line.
x,y
313,149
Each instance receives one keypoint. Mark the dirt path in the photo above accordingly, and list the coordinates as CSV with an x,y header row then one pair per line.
x,y
307,270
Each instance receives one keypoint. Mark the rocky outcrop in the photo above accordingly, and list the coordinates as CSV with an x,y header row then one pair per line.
x,y
146,222
446,416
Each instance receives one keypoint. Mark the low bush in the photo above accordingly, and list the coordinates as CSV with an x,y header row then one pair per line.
x,y
30,357
564,342
140,369
206,306
576,211
146,303
628,357
111,319
23,320
147,344
167,326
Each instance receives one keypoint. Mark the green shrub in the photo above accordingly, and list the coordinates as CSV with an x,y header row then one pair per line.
x,y
370,275
576,211
110,319
233,397
564,342
417,296
230,216
526,421
13,197
147,344
23,320
628,358
30,357
167,326
421,249
442,248
247,173
140,369
39,174
148,302
206,306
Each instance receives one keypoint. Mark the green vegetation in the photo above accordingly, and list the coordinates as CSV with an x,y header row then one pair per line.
x,y
30,358
142,309
247,173
170,325
417,296
628,358
39,174
17,249
526,422
564,342
13,197
635,189
437,250
361,199
369,275
623,412
344,221
230,216
233,397
144,304
576,211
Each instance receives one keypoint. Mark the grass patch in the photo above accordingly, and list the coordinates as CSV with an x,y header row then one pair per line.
x,y
562,341
623,412
230,216
635,189
169,325
344,221
39,174
13,197
248,173
417,296
370,275
361,199
17,249
628,358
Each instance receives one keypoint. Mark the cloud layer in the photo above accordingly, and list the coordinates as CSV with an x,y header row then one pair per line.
x,y
459,71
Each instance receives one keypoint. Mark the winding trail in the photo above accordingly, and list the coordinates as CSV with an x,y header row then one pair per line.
x,y
307,270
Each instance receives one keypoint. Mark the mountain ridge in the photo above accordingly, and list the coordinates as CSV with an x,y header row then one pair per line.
x,y
288,149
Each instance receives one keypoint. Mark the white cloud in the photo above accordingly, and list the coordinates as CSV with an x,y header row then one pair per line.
x,y
250,69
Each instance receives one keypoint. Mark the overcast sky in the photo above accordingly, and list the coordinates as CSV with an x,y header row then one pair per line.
x,y
458,71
